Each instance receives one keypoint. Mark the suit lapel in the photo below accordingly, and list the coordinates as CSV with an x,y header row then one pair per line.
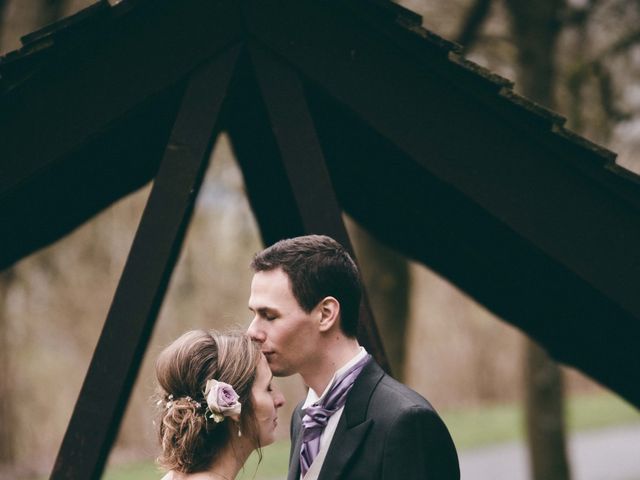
x,y
353,427
345,442
296,444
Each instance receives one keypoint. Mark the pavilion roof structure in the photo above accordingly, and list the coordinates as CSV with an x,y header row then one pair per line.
x,y
333,106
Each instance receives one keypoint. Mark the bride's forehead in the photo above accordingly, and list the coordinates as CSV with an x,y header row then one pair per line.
x,y
263,364
263,372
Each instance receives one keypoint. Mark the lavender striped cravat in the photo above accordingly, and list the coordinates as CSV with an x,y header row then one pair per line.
x,y
317,415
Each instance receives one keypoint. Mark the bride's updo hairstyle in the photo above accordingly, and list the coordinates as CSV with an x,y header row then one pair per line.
x,y
189,437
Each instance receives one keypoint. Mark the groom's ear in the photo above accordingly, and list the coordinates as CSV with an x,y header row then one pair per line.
x,y
329,313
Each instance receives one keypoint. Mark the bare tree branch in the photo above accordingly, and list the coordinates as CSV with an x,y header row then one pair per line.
x,y
622,44
607,100
598,68
578,16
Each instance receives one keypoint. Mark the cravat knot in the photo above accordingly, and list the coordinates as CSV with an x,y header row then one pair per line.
x,y
314,421
317,416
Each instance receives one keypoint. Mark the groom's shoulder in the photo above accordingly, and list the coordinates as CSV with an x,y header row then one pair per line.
x,y
391,394
397,409
388,394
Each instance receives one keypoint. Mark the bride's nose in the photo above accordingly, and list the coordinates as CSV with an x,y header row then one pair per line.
x,y
278,400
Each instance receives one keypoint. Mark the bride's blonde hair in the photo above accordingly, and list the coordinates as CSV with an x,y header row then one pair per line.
x,y
190,440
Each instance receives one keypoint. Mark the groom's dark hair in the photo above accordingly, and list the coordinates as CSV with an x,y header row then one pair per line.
x,y
317,267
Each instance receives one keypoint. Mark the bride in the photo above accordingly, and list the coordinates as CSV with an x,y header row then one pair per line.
x,y
216,406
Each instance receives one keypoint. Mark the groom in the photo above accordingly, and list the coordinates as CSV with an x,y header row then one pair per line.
x,y
357,422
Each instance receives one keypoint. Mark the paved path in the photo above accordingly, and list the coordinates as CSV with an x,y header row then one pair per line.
x,y
605,454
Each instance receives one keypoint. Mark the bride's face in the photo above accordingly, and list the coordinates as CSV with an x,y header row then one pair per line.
x,y
266,400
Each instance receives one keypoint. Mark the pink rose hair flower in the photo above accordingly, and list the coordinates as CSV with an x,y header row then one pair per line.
x,y
222,400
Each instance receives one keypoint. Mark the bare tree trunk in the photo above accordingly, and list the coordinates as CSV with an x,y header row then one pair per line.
x,y
536,28
472,24
7,450
3,15
545,415
3,7
386,276
50,11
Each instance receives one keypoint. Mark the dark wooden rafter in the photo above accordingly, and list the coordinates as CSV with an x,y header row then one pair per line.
x,y
498,266
269,193
301,160
124,81
139,295
30,97
539,190
344,61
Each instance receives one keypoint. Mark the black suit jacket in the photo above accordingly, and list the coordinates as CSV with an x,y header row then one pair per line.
x,y
387,431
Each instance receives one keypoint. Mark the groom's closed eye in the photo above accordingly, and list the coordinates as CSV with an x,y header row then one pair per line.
x,y
267,313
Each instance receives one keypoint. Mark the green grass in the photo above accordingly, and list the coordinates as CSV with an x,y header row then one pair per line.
x,y
483,426
502,423
469,428
598,411
131,471
274,464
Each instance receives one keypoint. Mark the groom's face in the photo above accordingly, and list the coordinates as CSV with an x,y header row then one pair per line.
x,y
286,332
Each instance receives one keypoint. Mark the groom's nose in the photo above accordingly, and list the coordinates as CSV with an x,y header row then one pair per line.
x,y
256,333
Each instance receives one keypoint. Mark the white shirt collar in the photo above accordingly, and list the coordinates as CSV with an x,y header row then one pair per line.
x,y
312,396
